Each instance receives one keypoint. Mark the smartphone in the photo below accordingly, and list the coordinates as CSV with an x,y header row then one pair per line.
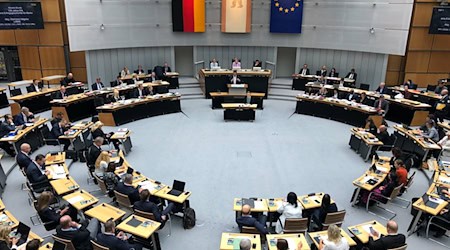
x,y
372,231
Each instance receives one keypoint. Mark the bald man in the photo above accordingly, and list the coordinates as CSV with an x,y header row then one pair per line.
x,y
61,94
442,106
382,89
383,135
248,220
392,240
23,157
79,234
67,81
245,244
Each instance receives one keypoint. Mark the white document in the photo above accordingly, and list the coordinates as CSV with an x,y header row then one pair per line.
x,y
75,199
58,176
259,205
58,169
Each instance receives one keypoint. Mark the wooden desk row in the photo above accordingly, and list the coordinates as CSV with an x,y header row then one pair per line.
x,y
171,77
30,134
300,81
218,98
411,140
363,142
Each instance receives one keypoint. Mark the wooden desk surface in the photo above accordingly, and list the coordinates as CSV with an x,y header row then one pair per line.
x,y
82,125
252,94
21,133
63,186
414,134
6,218
432,191
80,199
324,235
429,94
314,77
362,180
429,210
57,167
340,103
53,78
55,159
164,193
138,101
362,231
19,98
368,138
121,135
72,99
20,83
70,134
261,205
292,239
239,106
144,230
231,241
241,72
313,201
444,125
442,177
103,212
275,203
2,205
151,185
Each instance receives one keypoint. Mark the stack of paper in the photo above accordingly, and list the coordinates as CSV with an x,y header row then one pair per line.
x,y
75,199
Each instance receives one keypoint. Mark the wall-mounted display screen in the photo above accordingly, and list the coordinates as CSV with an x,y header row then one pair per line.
x,y
440,21
21,15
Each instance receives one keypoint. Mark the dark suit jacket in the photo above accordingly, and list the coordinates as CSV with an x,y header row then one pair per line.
x,y
366,101
149,207
384,105
387,242
251,222
49,215
382,91
384,138
94,86
98,133
144,92
132,192
34,174
31,88
4,245
352,97
336,74
159,72
323,213
445,100
56,131
79,237
19,119
354,75
319,73
60,95
93,153
5,128
168,69
301,70
112,242
66,81
23,160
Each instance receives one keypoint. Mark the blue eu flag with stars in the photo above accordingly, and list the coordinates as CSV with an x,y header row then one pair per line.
x,y
286,16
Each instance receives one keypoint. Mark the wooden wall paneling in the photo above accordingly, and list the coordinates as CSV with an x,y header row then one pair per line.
x,y
31,74
52,34
394,63
51,10
27,37
80,74
441,42
62,8
439,62
422,14
7,37
417,61
392,78
422,80
77,59
50,72
420,39
52,58
29,57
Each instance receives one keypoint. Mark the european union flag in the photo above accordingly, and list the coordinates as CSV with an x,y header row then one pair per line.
x,y
286,16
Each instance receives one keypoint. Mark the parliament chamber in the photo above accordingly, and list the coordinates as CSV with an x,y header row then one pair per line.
x,y
231,125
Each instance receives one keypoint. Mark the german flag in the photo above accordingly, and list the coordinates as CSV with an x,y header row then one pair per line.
x,y
188,15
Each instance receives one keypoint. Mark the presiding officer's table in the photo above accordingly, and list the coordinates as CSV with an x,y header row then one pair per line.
x,y
335,109
122,112
239,111
217,80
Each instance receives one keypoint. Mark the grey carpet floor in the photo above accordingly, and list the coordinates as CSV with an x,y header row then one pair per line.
x,y
268,158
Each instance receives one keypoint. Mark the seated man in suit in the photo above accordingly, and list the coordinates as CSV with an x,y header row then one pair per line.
x,y
439,88
114,241
25,116
392,240
59,129
234,79
94,151
382,89
126,188
118,82
68,80
257,63
166,68
352,75
322,71
61,94
6,127
35,86
246,219
383,135
381,105
145,205
304,70
97,85
79,234
352,96
23,157
141,92
152,77
36,173
139,70
59,117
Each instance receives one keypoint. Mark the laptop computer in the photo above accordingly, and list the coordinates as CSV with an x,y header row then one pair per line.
x,y
22,231
130,170
428,202
119,162
177,188
58,246
375,169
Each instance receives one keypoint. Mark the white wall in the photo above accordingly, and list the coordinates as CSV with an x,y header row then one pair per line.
x,y
327,24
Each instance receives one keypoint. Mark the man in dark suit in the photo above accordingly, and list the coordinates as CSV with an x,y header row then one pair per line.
x,y
68,80
246,219
25,116
115,242
79,234
141,92
59,129
97,85
352,96
5,128
126,188
36,173
140,70
439,88
304,70
442,106
352,75
382,89
234,79
383,135
166,68
322,71
381,105
35,86
23,157
117,82
390,241
148,206
94,150
61,94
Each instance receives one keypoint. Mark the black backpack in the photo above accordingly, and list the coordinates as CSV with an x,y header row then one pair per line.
x,y
189,218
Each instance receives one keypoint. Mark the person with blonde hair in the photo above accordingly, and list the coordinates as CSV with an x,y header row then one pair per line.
x,y
101,164
6,242
334,241
97,131
50,214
